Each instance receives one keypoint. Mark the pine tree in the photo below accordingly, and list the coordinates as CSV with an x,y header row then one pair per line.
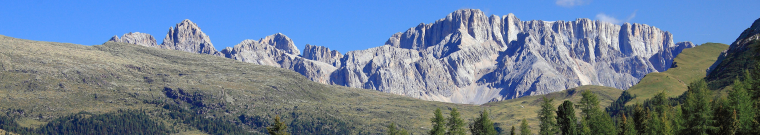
x,y
741,102
566,119
392,129
641,118
524,129
547,120
439,123
455,124
676,120
697,110
513,131
403,132
598,121
277,128
589,104
626,126
584,128
482,125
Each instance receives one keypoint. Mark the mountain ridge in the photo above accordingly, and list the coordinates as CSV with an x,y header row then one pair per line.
x,y
470,58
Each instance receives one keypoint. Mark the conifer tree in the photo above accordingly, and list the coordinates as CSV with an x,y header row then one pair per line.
x,y
697,110
524,129
641,118
598,121
547,120
741,102
676,120
455,124
626,126
439,123
566,118
403,132
513,131
482,125
277,128
392,129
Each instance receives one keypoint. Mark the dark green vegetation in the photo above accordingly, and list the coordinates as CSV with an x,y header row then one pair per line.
x,y
689,66
44,84
511,112
733,66
191,93
124,122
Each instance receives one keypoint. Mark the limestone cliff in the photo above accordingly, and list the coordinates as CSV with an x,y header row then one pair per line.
x,y
467,57
187,36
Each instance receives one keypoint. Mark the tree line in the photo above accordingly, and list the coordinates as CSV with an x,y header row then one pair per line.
x,y
697,112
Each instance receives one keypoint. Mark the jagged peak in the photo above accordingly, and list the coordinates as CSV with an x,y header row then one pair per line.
x,y
282,42
138,38
187,36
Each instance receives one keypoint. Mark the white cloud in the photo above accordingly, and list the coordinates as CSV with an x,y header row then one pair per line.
x,y
571,3
630,17
606,18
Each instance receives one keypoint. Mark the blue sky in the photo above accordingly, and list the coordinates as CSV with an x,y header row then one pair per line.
x,y
348,25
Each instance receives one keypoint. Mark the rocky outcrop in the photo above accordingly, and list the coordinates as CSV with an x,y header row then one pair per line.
x,y
281,42
472,58
138,38
277,50
468,57
740,57
322,54
187,36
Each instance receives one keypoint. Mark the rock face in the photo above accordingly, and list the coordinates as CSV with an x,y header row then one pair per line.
x,y
468,57
282,42
471,58
278,50
187,36
322,54
739,57
138,38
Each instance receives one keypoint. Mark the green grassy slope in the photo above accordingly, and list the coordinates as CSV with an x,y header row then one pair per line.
x,y
42,81
733,65
511,112
690,65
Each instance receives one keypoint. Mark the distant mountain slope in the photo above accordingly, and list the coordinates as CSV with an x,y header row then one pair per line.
x,y
737,59
511,112
689,66
42,81
466,57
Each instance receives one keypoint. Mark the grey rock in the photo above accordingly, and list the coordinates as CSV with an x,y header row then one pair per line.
x,y
138,38
726,68
282,42
468,57
266,52
322,54
471,58
187,36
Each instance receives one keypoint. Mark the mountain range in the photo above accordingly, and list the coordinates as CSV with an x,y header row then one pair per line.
x,y
466,57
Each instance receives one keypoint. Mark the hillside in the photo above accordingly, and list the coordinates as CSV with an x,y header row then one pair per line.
x,y
42,81
511,112
689,66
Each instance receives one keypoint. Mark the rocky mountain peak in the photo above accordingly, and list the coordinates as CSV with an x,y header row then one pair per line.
x,y
468,57
282,42
322,54
138,38
187,36
748,35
